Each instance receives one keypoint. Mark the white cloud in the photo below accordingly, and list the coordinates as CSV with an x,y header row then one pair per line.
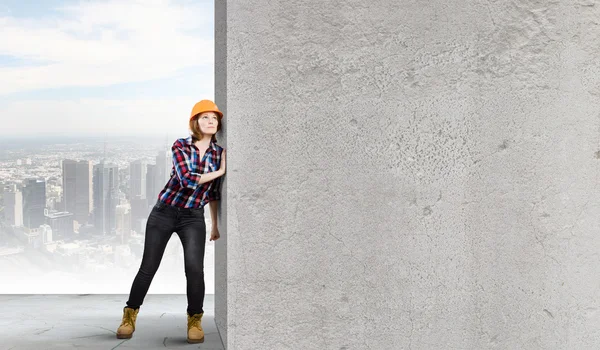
x,y
103,43
97,116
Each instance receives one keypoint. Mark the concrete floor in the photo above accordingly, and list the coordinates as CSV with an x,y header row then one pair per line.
x,y
90,321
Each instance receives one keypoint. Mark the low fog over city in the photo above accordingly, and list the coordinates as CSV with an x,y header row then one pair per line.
x,y
73,213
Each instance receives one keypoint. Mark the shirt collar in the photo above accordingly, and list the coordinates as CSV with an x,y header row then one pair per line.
x,y
212,143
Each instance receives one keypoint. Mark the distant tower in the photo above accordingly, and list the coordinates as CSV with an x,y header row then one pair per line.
x,y
123,221
137,179
13,206
162,173
106,190
34,202
77,188
151,195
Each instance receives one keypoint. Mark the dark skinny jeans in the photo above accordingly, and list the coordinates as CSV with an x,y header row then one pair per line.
x,y
189,225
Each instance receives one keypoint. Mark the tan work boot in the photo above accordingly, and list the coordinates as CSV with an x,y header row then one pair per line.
x,y
127,326
195,331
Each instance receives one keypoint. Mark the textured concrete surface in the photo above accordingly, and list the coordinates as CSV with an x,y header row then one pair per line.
x,y
55,322
425,172
220,270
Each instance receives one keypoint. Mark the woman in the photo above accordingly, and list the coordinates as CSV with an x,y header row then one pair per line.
x,y
198,167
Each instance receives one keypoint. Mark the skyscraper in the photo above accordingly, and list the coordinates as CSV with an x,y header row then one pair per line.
x,y
13,206
77,188
123,220
34,202
105,194
137,179
61,224
164,164
151,196
139,213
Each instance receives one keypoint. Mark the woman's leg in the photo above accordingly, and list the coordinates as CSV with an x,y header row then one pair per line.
x,y
192,232
159,228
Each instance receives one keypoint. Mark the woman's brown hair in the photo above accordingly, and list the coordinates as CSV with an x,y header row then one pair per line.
x,y
195,128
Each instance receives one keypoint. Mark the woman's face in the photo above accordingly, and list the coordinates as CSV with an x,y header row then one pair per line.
x,y
208,122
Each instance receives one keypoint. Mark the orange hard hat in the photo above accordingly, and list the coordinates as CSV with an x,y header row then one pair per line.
x,y
205,106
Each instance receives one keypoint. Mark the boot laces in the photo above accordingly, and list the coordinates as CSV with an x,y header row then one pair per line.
x,y
128,318
194,321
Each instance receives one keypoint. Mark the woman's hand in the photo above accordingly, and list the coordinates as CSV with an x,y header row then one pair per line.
x,y
214,234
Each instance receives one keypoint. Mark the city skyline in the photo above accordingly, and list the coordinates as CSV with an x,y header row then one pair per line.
x,y
111,246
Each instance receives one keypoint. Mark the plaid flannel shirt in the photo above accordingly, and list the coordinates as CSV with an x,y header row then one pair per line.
x,y
182,189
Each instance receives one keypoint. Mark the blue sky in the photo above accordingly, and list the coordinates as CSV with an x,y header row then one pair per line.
x,y
97,67
30,8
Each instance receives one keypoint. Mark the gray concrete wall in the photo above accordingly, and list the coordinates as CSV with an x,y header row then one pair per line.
x,y
411,175
221,101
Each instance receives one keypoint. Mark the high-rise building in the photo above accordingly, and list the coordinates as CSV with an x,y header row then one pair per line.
x,y
164,165
139,212
61,224
77,189
13,205
151,194
137,179
34,202
105,194
123,221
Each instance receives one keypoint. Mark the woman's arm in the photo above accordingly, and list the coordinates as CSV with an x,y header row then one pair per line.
x,y
214,196
213,212
183,168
